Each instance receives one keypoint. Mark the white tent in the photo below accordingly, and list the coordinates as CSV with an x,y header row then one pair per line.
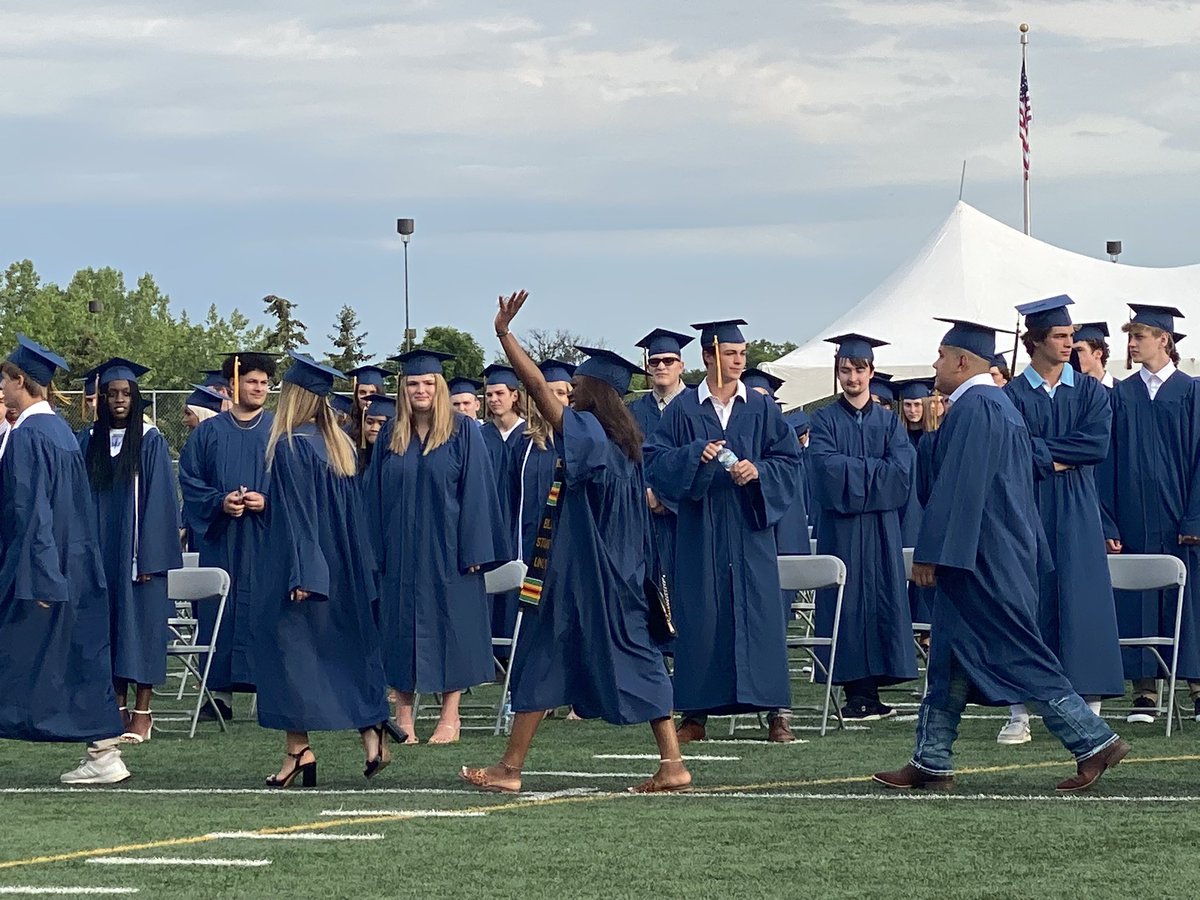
x,y
978,269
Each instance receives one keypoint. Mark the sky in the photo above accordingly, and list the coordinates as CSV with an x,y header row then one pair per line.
x,y
633,165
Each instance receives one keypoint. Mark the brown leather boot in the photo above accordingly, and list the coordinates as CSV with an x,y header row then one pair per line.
x,y
1089,771
912,778
780,731
690,731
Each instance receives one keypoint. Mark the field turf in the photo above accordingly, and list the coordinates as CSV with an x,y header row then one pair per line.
x,y
765,820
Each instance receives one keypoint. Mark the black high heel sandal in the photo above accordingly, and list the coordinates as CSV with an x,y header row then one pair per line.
x,y
373,767
308,772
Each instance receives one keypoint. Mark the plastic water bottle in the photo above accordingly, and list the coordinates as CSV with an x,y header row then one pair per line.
x,y
727,458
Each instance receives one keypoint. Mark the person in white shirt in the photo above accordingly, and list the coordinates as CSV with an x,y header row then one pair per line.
x,y
1150,497
1090,354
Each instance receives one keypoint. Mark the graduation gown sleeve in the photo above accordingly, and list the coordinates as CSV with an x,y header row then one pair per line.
x,y
780,471
39,575
674,469
1087,444
158,538
483,531
203,503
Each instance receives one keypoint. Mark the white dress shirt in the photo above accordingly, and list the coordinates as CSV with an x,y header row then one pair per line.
x,y
723,410
41,408
974,381
1154,380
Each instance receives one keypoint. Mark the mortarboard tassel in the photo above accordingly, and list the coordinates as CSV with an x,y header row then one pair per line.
x,y
237,365
717,354
96,408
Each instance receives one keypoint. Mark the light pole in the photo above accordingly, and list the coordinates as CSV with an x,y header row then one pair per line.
x,y
404,227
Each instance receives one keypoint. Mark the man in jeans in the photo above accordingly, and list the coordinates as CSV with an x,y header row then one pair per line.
x,y
980,544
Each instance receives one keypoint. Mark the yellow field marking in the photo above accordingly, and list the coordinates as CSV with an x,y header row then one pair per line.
x,y
863,779
282,829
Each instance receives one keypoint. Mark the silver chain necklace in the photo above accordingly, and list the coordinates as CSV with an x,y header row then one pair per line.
x,y
257,418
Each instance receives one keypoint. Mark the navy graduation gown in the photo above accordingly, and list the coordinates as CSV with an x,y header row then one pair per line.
x,y
325,671
139,611
502,453
55,664
982,533
588,643
920,599
1076,615
862,464
1151,494
432,517
731,652
220,456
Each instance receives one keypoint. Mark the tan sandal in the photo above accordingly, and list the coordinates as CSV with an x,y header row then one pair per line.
x,y
455,731
479,778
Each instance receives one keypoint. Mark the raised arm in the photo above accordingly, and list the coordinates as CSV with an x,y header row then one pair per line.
x,y
527,371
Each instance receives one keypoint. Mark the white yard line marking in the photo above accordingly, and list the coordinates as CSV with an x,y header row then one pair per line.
x,y
717,742
407,813
293,836
936,797
30,890
687,758
290,795
176,861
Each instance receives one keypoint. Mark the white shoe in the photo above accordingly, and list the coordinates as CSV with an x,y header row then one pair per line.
x,y
105,767
1015,732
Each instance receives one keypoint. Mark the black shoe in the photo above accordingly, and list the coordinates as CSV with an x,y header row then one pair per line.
x,y
207,714
862,712
307,772
1196,708
885,711
1145,711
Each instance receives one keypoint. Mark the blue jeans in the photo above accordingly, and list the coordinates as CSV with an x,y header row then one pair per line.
x,y
1068,719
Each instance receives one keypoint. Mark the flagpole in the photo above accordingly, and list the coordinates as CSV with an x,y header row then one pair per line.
x,y
1025,144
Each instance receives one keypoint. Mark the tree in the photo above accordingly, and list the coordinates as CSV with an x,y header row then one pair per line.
x,y
468,355
762,350
542,344
348,343
289,332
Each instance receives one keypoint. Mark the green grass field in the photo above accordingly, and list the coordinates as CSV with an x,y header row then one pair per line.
x,y
765,820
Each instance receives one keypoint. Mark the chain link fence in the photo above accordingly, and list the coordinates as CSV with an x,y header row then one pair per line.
x,y
164,408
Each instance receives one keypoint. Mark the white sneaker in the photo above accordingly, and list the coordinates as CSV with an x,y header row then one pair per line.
x,y
1015,732
105,767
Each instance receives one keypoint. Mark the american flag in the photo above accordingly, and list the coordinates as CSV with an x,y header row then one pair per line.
x,y
1024,117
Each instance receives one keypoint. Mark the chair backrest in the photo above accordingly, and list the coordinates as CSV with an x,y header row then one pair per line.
x,y
1146,572
191,560
505,578
908,561
810,573
197,584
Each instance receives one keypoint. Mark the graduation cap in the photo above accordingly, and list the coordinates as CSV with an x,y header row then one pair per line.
x,y
1161,317
460,384
497,373
118,369
661,341
1092,331
999,361
373,375
382,405
1048,313
914,388
723,332
608,367
307,373
205,398
855,346
213,378
757,378
798,420
556,370
881,387
420,361
971,336
341,403
36,361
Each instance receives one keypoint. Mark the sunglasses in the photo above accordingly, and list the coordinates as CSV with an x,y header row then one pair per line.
x,y
663,361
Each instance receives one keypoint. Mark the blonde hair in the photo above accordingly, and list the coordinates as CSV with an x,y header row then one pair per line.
x,y
537,429
298,406
202,413
443,422
930,415
1156,333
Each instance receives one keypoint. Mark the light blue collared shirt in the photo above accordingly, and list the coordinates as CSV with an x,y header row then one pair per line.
x,y
1037,381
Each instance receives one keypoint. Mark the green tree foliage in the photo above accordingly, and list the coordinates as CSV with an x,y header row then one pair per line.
x,y
542,344
135,323
289,332
348,342
468,354
761,351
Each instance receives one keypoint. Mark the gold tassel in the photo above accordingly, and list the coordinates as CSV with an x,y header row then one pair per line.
x,y
717,354
96,408
237,365
362,428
